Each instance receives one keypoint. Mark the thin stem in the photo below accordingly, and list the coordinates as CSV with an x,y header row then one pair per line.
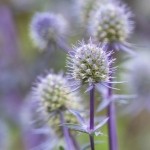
x,y
69,145
92,142
92,117
75,143
112,131
63,45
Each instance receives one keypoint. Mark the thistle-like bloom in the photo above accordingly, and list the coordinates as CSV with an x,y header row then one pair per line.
x,y
90,64
51,91
85,7
139,84
46,28
112,23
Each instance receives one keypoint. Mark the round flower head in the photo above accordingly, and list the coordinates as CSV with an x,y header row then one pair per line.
x,y
45,28
111,23
90,64
140,83
85,7
52,94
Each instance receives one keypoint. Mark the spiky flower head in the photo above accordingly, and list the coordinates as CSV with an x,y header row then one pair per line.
x,y
52,93
111,23
85,7
47,27
90,64
139,84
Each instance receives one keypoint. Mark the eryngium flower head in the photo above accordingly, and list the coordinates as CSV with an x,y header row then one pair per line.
x,y
111,23
47,27
90,64
140,82
51,91
85,7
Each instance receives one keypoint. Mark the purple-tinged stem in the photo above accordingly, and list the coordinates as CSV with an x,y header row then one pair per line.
x,y
112,130
69,144
92,117
76,146
63,45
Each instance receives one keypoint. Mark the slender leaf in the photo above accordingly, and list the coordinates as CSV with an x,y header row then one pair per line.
x,y
89,88
101,124
78,116
76,127
103,105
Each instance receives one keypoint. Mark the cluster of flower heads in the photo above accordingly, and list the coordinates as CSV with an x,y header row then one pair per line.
x,y
52,93
90,63
111,24
46,28
85,7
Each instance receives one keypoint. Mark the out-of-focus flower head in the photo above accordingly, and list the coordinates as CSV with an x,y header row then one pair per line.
x,y
85,7
46,28
111,23
139,83
51,92
36,134
90,64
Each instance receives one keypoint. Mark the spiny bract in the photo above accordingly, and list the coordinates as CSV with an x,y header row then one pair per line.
x,y
47,27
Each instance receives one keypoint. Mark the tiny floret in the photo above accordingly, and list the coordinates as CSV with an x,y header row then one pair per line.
x,y
111,23
46,28
90,64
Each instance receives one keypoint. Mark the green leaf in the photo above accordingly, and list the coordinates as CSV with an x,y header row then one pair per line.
x,y
76,127
61,148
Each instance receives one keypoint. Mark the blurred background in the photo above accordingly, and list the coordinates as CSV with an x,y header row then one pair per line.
x,y
21,63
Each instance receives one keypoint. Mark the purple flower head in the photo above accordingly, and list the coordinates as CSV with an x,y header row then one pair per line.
x,y
139,83
47,27
51,93
111,23
36,134
90,64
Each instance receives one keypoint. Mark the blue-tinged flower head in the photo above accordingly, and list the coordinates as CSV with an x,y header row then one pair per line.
x,y
85,7
90,64
52,93
139,84
47,27
36,133
111,23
